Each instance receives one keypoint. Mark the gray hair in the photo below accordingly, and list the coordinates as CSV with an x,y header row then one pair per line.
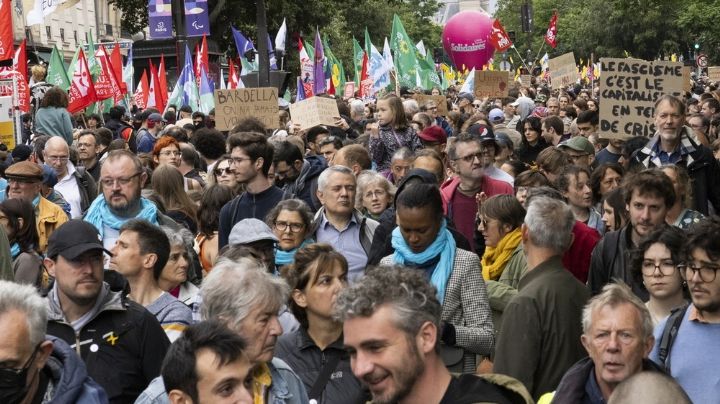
x,y
368,178
411,107
181,236
357,107
550,223
25,298
407,291
324,177
613,295
402,153
234,288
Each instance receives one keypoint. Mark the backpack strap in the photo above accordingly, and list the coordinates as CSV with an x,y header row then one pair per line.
x,y
672,325
323,378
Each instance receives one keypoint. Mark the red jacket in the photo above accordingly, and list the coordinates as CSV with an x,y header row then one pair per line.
x,y
577,257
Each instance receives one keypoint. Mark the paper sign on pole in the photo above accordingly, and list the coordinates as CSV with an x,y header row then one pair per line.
x,y
714,73
7,127
629,89
231,106
440,101
493,84
563,71
314,111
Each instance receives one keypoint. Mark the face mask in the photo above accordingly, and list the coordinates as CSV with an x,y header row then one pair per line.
x,y
13,382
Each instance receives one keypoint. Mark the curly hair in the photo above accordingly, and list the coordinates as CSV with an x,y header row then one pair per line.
x,y
55,97
673,238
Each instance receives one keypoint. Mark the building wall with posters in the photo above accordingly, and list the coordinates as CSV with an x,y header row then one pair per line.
x,y
67,28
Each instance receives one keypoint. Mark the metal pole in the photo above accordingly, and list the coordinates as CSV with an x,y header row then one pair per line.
x,y
178,12
263,57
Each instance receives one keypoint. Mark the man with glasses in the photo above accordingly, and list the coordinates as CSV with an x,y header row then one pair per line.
x,y
252,157
431,108
694,351
579,150
88,149
25,182
462,192
674,143
38,368
490,147
76,186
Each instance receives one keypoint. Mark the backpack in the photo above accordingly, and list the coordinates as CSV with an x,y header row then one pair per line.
x,y
672,325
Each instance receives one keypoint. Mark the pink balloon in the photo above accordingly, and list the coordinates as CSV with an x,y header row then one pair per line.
x,y
466,39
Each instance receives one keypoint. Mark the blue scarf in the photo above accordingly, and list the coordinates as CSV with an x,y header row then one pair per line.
x,y
99,214
287,257
15,250
36,201
444,246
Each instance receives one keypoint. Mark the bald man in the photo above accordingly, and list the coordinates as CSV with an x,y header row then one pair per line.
x,y
77,186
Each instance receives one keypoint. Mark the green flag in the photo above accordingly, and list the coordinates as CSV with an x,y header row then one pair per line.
x,y
368,43
56,74
71,68
337,72
93,65
357,61
428,75
404,50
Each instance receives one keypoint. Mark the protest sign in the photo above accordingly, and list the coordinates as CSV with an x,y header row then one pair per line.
x,y
687,82
714,73
629,89
314,111
493,84
525,80
440,101
563,71
231,106
7,127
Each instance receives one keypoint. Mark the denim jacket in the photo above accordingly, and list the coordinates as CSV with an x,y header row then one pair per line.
x,y
286,387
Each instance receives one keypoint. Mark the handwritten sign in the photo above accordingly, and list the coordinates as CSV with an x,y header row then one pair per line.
x,y
231,106
563,71
629,89
493,84
314,111
714,73
439,100
525,80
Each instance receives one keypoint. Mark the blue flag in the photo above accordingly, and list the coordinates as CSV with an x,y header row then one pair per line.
x,y
207,100
319,59
271,52
185,91
242,44
300,90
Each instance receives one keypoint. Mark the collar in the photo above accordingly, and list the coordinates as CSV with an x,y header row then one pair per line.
x,y
552,263
592,389
652,149
695,315
304,341
324,222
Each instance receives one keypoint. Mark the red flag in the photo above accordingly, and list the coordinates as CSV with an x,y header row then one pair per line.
x,y
551,34
499,38
6,30
117,65
141,93
20,66
331,88
82,89
162,80
106,85
365,79
201,58
232,76
155,98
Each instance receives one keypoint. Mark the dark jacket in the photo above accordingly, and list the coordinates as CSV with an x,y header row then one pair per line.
x,y
611,260
700,164
572,386
69,378
305,186
244,206
299,351
528,154
86,186
121,130
123,345
540,334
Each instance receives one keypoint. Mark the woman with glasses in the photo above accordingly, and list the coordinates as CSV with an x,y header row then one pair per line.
x,y
167,151
655,264
290,221
374,194
224,174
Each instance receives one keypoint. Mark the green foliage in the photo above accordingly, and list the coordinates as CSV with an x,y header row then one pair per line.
x,y
647,29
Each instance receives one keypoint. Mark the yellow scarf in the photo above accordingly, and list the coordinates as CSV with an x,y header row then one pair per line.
x,y
261,382
495,258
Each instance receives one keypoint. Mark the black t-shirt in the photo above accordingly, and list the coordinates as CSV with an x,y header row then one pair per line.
x,y
469,389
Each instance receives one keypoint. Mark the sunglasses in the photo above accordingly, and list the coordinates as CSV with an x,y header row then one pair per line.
x,y
222,171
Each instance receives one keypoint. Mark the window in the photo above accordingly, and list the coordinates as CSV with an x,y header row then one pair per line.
x,y
62,34
48,31
75,36
108,29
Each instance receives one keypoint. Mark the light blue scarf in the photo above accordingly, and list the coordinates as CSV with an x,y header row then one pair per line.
x,y
288,257
444,245
14,250
99,214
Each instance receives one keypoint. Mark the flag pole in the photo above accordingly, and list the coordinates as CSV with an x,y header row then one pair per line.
x,y
521,58
538,54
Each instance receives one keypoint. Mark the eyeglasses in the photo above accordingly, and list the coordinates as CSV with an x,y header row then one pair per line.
x,y
122,181
171,153
576,157
477,105
222,171
666,267
294,227
239,160
707,272
377,193
471,157
59,159
22,180
13,377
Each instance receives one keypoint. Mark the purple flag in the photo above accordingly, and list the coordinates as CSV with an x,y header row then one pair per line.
x,y
319,83
196,18
160,19
242,44
300,90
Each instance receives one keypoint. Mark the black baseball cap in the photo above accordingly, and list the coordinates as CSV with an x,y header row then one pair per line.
x,y
74,238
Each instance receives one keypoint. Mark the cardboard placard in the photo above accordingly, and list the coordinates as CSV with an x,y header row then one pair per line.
x,y
563,70
493,84
440,101
687,83
629,89
314,111
525,80
231,106
7,127
714,73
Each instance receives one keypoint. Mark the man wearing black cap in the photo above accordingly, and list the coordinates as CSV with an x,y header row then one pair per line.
x,y
121,343
147,134
25,182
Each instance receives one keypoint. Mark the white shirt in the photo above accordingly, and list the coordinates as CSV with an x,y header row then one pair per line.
x,y
70,190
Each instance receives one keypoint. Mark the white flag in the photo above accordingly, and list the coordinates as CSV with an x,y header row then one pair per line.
x,y
280,38
421,48
469,84
39,9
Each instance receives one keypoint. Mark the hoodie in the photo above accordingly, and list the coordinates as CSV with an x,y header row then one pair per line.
x,y
69,381
305,185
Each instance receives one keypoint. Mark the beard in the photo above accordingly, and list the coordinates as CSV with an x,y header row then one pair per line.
x,y
405,377
125,207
